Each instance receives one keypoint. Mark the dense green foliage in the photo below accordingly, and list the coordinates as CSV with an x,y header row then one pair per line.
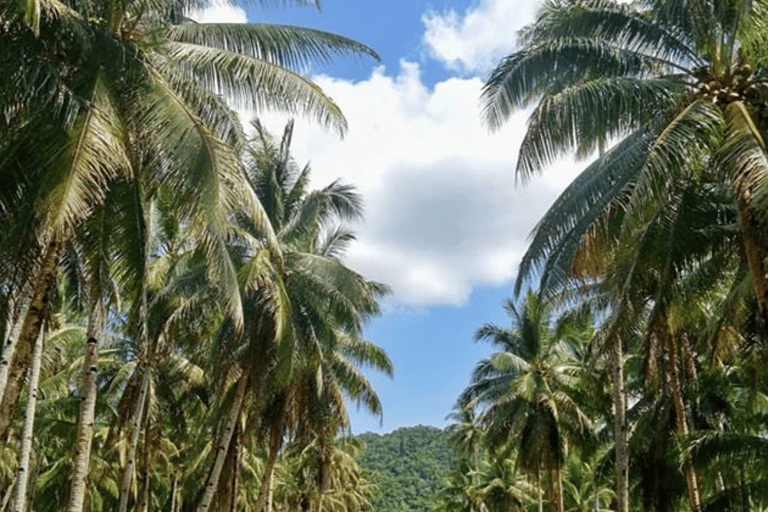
x,y
408,466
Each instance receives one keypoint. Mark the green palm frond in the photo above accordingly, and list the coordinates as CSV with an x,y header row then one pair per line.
x,y
287,46
583,116
744,155
365,353
82,170
256,84
677,149
335,242
524,76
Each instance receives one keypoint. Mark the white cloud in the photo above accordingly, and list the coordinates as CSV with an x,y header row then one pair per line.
x,y
220,11
474,41
443,212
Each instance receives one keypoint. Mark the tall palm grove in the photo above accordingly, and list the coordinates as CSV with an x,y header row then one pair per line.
x,y
635,375
180,330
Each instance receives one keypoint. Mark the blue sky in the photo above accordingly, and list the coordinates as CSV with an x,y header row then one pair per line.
x,y
446,223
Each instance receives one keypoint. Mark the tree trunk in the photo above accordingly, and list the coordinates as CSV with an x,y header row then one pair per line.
x,y
236,473
551,493
223,444
681,421
559,482
264,503
23,472
142,504
14,323
87,413
541,491
29,332
750,239
620,427
130,464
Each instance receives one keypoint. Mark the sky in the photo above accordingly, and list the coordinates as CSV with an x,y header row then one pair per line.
x,y
446,221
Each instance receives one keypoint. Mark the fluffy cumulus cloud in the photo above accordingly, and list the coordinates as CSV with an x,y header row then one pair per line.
x,y
444,213
474,41
220,11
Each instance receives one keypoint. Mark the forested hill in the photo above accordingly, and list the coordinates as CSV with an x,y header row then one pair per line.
x,y
408,466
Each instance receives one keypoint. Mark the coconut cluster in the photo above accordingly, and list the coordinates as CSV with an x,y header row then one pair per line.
x,y
741,84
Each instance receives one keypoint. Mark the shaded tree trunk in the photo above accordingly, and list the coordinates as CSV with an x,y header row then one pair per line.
x,y
130,464
681,421
23,470
225,498
14,324
620,427
264,503
28,334
222,447
238,449
750,239
87,413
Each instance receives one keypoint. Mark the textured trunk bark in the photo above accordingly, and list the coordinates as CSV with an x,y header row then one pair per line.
x,y
681,421
620,427
224,498
15,321
559,481
87,413
142,504
541,491
264,503
750,239
23,472
223,444
238,449
551,492
28,334
136,426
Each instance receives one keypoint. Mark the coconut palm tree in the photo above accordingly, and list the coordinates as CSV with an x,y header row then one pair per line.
x,y
135,90
681,84
522,392
304,313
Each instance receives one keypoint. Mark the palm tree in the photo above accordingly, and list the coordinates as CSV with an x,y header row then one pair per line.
x,y
135,91
523,392
153,113
680,84
304,312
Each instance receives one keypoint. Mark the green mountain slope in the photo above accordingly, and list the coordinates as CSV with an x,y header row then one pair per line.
x,y
408,466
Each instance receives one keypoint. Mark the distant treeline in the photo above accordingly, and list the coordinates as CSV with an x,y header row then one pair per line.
x,y
408,467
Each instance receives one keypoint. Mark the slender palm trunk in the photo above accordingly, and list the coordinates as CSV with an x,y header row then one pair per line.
x,y
551,493
8,493
681,421
559,482
223,444
23,471
750,239
264,503
15,320
541,491
28,334
87,413
142,504
620,427
174,493
238,451
136,427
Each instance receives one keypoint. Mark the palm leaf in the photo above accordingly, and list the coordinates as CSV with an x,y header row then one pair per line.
x,y
92,157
